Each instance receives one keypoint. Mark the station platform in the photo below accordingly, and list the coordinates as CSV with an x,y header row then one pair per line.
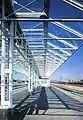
x,y
47,104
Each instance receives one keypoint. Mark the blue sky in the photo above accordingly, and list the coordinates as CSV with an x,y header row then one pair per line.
x,y
71,69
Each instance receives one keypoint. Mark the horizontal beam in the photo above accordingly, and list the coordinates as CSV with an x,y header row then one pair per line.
x,y
32,38
62,41
35,46
55,54
54,48
52,45
29,14
34,34
32,30
41,20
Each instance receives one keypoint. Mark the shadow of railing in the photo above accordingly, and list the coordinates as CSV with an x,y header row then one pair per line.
x,y
25,106
39,104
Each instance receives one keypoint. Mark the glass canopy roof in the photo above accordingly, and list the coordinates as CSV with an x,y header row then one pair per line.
x,y
49,44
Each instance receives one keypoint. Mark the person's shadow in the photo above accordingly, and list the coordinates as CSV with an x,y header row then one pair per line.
x,y
42,102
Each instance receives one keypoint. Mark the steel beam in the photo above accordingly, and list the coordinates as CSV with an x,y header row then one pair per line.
x,y
30,15
11,45
63,51
41,20
3,70
53,38
68,29
62,41
55,54
30,85
46,10
3,58
75,4
32,30
34,34
54,48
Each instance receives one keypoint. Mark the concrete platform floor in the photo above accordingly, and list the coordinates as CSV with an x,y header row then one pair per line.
x,y
49,104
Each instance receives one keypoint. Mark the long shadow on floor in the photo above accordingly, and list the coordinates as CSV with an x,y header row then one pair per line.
x,y
38,103
66,105
70,103
25,106
42,101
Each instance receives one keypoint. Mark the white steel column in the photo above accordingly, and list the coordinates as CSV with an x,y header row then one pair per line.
x,y
33,79
11,43
30,80
36,81
39,82
3,58
3,71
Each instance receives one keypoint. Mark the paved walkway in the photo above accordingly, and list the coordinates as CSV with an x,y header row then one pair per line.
x,y
51,104
48,103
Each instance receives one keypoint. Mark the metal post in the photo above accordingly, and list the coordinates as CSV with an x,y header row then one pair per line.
x,y
30,80
37,81
11,43
33,75
33,80
3,58
25,49
3,71
7,74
